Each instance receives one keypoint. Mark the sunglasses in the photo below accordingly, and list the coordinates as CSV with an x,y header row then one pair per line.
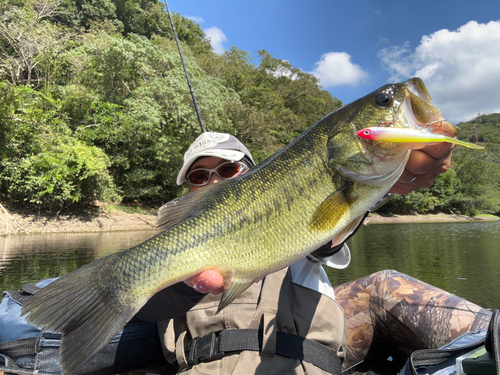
x,y
201,176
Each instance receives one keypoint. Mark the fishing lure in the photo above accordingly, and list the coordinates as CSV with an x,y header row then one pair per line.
x,y
405,135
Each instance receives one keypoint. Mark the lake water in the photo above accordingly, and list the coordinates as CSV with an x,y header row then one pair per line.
x,y
461,258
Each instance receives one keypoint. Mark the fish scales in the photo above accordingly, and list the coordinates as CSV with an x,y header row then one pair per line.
x,y
213,243
318,188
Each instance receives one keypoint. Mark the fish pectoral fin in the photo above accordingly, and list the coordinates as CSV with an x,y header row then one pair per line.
x,y
177,210
237,287
226,272
332,208
346,232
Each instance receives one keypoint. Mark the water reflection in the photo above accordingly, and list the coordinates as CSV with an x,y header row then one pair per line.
x,y
461,258
30,258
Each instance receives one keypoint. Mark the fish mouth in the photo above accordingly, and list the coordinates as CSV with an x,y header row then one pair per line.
x,y
421,112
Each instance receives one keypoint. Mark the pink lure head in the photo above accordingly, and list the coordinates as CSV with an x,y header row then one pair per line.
x,y
367,133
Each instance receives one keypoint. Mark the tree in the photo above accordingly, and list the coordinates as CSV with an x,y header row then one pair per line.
x,y
28,40
278,102
129,97
87,13
479,190
41,162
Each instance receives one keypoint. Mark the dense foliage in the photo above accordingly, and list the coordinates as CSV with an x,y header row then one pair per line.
x,y
94,105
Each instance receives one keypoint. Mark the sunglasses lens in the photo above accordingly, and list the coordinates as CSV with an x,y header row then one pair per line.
x,y
228,170
199,176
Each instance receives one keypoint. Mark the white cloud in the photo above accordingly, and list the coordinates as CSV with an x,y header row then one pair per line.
x,y
216,37
336,69
196,19
461,68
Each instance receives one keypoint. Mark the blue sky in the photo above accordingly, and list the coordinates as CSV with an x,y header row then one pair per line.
x,y
354,47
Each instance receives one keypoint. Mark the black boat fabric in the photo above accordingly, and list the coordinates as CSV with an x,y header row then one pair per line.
x,y
430,361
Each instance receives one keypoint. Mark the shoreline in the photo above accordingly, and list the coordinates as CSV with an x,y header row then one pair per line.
x,y
19,222
426,218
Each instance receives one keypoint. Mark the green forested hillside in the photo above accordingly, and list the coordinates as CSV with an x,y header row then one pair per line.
x,y
484,129
94,105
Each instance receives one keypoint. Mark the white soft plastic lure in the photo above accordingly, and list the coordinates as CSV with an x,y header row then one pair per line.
x,y
400,135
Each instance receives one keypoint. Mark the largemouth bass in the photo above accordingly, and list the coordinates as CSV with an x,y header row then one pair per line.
x,y
316,189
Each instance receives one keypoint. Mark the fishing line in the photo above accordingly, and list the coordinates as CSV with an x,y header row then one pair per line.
x,y
185,69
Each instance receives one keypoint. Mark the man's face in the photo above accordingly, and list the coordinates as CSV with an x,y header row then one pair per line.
x,y
208,162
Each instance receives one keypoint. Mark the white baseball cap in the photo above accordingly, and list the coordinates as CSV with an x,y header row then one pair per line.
x,y
221,145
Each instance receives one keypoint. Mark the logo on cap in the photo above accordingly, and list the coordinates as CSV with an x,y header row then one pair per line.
x,y
206,140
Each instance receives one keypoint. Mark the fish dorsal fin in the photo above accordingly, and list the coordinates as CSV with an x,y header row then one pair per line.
x,y
237,287
332,208
178,209
346,232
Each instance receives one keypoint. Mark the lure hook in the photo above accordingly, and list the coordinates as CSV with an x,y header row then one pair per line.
x,y
428,125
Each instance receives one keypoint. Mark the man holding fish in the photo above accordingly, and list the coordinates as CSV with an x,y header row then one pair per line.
x,y
214,157
309,197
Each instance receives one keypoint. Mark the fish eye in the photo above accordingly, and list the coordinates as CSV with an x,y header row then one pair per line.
x,y
384,100
366,132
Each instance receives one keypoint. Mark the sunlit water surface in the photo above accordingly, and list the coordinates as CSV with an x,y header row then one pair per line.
x,y
461,258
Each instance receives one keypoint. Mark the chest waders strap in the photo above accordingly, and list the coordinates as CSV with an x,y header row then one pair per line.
x,y
218,344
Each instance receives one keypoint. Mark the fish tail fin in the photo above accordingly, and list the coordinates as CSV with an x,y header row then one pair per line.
x,y
87,315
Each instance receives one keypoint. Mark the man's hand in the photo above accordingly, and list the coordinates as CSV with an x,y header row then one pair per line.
x,y
209,281
425,163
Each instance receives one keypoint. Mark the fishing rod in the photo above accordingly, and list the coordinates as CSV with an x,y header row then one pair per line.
x,y
185,69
